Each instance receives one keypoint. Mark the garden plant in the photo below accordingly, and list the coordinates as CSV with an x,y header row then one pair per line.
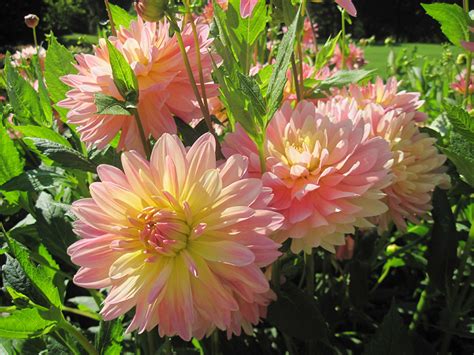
x,y
215,178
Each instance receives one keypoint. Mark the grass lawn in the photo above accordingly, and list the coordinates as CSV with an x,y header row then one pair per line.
x,y
377,55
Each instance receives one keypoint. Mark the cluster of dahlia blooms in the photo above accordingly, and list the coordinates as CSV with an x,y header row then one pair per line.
x,y
183,239
165,89
354,59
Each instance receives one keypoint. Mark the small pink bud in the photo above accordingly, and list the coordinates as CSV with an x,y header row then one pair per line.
x,y
31,20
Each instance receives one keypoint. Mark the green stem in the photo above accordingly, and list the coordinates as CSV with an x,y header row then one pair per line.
x,y
79,337
343,39
261,155
300,62
35,40
420,307
467,96
145,142
215,343
295,78
111,20
204,110
81,313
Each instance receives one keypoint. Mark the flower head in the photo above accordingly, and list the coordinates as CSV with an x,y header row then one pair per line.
x,y
179,239
348,6
31,20
164,85
387,96
354,60
417,166
246,7
325,171
460,84
151,10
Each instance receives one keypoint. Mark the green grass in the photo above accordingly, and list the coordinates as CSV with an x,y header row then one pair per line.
x,y
377,55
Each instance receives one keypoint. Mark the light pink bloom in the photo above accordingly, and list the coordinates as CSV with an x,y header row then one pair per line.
x,y
346,251
325,171
165,89
387,96
179,240
208,12
348,6
22,58
417,166
246,7
469,46
460,84
289,93
354,60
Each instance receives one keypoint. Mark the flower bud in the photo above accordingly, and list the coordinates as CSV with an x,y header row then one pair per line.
x,y
151,10
31,20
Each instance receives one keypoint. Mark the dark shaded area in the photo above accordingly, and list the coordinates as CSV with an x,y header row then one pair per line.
x,y
405,20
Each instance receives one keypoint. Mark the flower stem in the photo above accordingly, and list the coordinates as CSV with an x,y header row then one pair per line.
x,y
343,39
111,20
420,307
69,328
204,110
300,62
81,313
146,143
35,40
310,273
215,343
467,96
295,78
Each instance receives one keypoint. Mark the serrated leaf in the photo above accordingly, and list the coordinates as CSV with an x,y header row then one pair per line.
x,y
278,78
58,63
250,88
124,77
43,95
391,337
462,122
23,98
64,156
344,77
33,180
296,314
121,17
326,52
42,132
108,105
54,226
453,19
10,163
461,152
14,277
189,134
25,323
38,276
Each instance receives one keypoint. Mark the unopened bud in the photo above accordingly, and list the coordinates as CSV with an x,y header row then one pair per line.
x,y
151,10
31,20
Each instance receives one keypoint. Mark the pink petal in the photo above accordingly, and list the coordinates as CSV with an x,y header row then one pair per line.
x,y
246,7
348,6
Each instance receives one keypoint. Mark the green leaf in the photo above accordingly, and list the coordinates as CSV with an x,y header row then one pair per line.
x,y
110,336
54,226
58,63
33,180
453,19
345,77
391,337
42,132
278,78
441,252
108,105
44,100
10,163
296,314
326,52
37,274
124,77
250,88
23,98
14,277
461,152
121,17
64,156
188,134
25,323
462,122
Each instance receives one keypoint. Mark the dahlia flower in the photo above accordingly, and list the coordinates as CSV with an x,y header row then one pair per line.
x,y
460,84
289,92
348,6
24,56
387,96
354,60
417,166
208,12
179,240
325,171
246,7
165,89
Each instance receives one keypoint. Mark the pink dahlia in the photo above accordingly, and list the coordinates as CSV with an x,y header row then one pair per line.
x,y
179,239
354,60
208,12
348,6
165,89
460,84
325,171
387,96
417,166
